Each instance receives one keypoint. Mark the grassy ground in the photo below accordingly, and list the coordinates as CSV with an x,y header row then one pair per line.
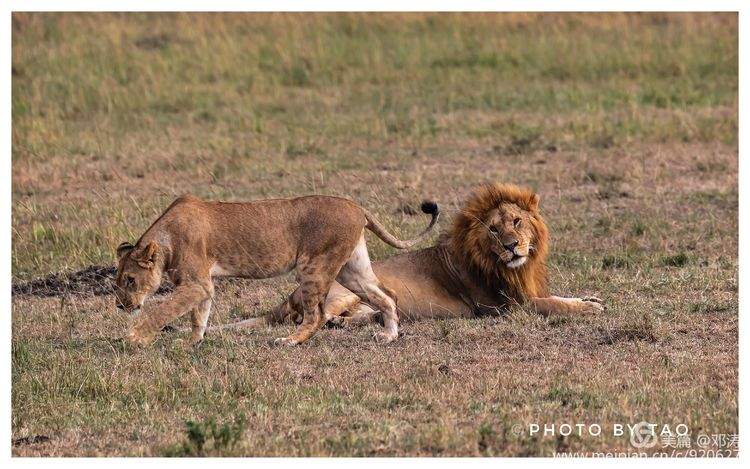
x,y
625,124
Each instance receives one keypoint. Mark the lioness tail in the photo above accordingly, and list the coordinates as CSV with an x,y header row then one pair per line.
x,y
376,227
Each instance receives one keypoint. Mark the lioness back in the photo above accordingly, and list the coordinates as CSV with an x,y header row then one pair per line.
x,y
263,238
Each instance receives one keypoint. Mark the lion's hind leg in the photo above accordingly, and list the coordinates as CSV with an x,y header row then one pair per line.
x,y
359,314
307,303
339,303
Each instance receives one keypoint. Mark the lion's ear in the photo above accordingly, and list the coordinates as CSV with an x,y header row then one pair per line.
x,y
147,257
534,202
123,249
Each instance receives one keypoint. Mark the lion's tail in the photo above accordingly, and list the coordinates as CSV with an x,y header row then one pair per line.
x,y
251,323
376,227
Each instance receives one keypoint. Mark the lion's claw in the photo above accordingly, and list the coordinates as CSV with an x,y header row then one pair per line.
x,y
592,299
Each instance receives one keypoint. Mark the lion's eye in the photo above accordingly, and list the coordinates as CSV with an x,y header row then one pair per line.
x,y
493,229
517,222
129,281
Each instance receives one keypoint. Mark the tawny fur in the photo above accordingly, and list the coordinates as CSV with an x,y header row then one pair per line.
x,y
194,240
463,275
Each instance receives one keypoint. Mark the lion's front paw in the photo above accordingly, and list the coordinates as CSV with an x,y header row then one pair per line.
x,y
284,341
591,305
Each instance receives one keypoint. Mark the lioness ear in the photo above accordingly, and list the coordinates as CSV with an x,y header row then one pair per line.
x,y
534,202
147,257
123,249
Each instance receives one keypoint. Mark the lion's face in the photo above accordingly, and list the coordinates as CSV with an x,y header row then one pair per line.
x,y
510,234
137,276
500,235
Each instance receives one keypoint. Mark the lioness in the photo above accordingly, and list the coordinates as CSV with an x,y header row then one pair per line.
x,y
195,240
493,256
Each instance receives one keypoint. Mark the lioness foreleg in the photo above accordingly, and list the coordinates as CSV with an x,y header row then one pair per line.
x,y
567,306
183,299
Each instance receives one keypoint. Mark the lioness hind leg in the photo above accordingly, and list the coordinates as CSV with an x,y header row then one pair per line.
x,y
339,301
311,309
199,319
282,313
315,278
357,275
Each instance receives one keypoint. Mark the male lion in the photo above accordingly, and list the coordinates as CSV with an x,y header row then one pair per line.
x,y
493,256
195,240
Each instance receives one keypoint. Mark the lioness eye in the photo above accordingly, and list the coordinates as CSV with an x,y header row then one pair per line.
x,y
129,281
517,222
493,229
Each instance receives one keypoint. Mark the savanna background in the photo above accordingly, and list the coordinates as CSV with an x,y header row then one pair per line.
x,y
626,124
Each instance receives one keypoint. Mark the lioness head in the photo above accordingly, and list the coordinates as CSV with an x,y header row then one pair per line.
x,y
138,275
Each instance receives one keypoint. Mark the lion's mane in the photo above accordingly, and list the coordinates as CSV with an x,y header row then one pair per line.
x,y
471,246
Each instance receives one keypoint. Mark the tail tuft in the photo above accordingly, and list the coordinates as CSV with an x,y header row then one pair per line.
x,y
428,206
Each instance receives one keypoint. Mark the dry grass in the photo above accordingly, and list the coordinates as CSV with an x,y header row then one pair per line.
x,y
626,125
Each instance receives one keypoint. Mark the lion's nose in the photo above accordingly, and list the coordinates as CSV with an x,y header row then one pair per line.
x,y
511,246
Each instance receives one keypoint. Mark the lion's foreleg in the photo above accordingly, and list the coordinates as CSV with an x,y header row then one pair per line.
x,y
184,298
556,305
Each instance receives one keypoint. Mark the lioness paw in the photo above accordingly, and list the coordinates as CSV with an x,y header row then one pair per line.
x,y
384,337
139,341
284,341
196,343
